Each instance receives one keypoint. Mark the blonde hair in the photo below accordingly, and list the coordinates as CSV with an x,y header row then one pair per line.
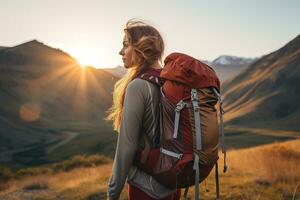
x,y
148,47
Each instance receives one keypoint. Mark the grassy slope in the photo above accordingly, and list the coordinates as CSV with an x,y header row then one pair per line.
x,y
266,94
237,137
266,172
98,140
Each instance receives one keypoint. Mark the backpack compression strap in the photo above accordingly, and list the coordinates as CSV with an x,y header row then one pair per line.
x,y
194,98
181,104
221,130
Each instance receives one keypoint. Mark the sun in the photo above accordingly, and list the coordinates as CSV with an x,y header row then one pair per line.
x,y
86,56
84,60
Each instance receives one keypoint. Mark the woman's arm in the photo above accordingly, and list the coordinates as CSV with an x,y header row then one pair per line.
x,y
128,138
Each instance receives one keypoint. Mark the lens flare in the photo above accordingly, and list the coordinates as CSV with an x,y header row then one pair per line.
x,y
29,112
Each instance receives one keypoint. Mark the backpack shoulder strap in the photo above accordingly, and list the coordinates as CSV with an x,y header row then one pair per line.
x,y
152,75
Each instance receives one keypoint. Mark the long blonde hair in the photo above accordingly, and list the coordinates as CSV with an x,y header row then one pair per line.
x,y
148,46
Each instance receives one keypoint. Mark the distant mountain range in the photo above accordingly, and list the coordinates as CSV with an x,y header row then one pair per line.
x,y
267,93
227,66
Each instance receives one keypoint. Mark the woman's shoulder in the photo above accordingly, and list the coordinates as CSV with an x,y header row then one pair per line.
x,y
137,84
137,89
142,87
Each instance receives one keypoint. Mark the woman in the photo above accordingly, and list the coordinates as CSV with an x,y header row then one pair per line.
x,y
134,113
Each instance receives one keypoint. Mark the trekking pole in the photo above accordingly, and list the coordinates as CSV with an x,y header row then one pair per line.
x,y
217,182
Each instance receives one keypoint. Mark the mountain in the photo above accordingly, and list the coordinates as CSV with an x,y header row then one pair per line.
x,y
226,60
229,66
34,52
2,48
47,100
267,93
118,71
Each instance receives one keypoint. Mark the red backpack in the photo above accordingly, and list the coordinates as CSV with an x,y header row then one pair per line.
x,y
189,131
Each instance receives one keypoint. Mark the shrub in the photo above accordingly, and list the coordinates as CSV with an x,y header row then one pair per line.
x,y
36,185
34,171
5,174
80,161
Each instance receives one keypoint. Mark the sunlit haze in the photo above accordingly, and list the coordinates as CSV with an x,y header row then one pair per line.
x,y
92,31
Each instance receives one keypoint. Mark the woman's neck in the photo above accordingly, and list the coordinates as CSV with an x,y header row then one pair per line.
x,y
156,65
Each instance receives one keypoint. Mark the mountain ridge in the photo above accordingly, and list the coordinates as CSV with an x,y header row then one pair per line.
x,y
267,90
34,52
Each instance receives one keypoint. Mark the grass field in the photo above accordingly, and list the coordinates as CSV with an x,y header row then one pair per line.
x,y
265,172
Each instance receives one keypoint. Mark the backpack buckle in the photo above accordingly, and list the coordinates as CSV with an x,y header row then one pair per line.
x,y
180,105
194,98
194,95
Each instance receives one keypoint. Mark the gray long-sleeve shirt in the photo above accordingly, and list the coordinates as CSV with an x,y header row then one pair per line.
x,y
138,120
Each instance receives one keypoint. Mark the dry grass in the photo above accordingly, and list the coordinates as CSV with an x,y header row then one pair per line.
x,y
78,184
266,172
278,163
269,172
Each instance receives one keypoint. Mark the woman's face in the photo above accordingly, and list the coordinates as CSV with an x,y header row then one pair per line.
x,y
127,53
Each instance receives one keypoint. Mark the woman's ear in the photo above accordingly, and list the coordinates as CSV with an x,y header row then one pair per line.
x,y
136,58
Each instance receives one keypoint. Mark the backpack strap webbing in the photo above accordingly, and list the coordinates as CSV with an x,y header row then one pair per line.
x,y
196,108
221,128
171,153
194,98
180,105
152,75
197,176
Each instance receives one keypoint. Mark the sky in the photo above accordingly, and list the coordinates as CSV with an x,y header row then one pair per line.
x,y
92,30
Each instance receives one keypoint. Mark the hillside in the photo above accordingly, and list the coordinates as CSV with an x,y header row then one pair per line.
x,y
267,94
266,172
46,98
